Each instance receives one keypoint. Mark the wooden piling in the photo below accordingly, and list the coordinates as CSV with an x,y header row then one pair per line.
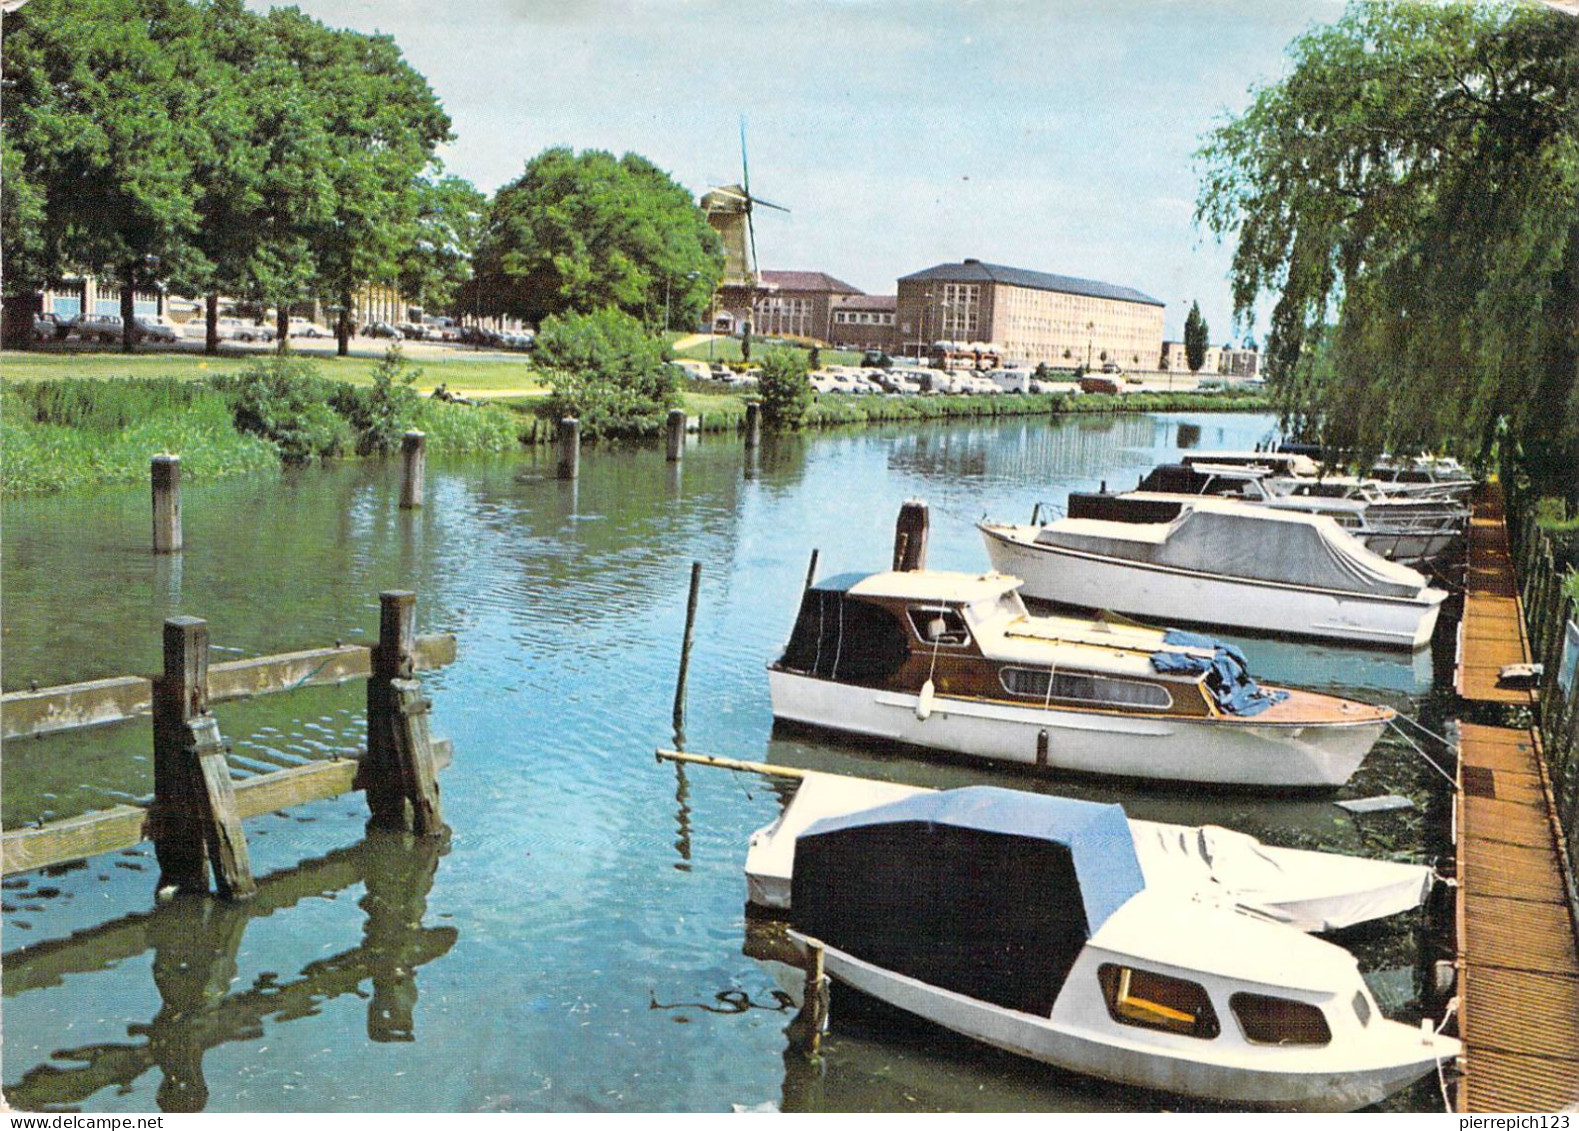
x,y
811,572
195,815
399,775
569,448
753,424
685,646
805,1031
910,536
413,469
165,473
676,434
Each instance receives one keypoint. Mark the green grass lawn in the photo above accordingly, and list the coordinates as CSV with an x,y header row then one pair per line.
x,y
482,374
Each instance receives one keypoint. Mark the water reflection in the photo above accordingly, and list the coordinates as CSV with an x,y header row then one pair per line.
x,y
195,942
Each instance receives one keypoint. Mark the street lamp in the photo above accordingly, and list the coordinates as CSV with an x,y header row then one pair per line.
x,y
1090,328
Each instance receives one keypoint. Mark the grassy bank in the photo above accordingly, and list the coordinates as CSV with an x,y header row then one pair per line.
x,y
483,373
69,434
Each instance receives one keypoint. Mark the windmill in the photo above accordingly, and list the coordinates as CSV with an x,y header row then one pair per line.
x,y
729,210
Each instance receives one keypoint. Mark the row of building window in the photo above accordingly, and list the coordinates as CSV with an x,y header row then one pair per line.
x,y
863,318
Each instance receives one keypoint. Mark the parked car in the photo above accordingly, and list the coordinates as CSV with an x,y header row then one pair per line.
x,y
306,328
156,328
49,327
1091,384
104,328
382,330
242,330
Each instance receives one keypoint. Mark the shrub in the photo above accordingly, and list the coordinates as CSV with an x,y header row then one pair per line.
x,y
786,390
385,411
284,400
604,369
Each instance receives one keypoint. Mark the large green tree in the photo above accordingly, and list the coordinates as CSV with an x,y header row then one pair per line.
x,y
583,231
103,121
1409,193
449,220
382,123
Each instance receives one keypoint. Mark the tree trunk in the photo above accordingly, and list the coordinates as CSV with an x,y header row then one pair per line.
x,y
211,323
342,326
19,313
128,311
282,327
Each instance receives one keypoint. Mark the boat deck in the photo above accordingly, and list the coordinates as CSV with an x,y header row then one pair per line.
x,y
1517,952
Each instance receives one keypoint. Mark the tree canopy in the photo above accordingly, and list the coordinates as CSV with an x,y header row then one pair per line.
x,y
199,143
583,231
1410,195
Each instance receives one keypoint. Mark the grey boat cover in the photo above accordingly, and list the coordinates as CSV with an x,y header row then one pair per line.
x,y
1097,835
1240,541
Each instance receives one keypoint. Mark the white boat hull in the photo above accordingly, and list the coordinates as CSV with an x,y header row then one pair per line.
x,y
1216,751
1315,1079
1069,577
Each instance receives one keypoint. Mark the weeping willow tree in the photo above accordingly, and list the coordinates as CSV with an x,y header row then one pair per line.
x,y
1409,193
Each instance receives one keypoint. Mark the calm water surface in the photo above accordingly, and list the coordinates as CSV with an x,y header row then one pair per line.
x,y
577,944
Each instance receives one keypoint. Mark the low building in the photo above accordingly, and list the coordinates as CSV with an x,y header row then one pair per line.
x,y
1244,364
865,322
1176,360
782,304
1030,316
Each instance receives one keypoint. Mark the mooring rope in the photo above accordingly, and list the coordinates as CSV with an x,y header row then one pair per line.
x,y
1449,778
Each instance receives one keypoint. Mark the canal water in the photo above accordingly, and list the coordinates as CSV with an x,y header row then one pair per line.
x,y
577,944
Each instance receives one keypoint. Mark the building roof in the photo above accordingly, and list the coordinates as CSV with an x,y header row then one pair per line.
x,y
975,271
868,302
807,281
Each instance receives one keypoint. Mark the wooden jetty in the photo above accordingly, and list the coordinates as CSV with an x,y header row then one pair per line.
x,y
1517,959
195,819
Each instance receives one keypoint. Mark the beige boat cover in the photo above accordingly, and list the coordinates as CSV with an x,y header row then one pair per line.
x,y
1243,542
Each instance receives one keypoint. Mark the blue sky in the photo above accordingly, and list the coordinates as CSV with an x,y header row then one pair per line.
x,y
1054,135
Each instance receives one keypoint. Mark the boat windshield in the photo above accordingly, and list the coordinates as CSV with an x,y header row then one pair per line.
x,y
1227,674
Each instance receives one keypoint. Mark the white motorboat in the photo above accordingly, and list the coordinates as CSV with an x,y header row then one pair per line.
x,y
953,662
1310,891
1026,922
1218,562
1410,531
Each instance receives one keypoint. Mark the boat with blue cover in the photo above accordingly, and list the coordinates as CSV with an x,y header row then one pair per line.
x,y
954,662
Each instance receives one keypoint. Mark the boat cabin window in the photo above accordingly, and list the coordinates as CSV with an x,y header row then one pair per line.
x,y
1157,1001
1362,1008
1031,683
938,624
1279,1021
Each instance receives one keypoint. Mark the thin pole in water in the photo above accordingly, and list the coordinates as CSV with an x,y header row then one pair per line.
x,y
685,647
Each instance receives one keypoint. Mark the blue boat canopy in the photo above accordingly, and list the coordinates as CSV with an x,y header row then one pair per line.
x,y
1097,836
1228,675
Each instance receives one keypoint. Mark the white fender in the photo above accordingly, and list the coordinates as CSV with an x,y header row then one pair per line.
x,y
924,701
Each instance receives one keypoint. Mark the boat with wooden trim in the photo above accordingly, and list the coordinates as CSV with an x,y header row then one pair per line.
x,y
954,662
1026,922
1310,891
1216,562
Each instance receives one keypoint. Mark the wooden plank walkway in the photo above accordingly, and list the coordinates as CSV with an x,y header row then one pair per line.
x,y
1517,953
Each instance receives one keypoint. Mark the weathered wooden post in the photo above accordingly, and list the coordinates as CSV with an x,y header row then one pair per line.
x,y
165,473
685,647
676,433
753,424
413,469
811,572
194,800
805,1031
569,448
399,775
910,536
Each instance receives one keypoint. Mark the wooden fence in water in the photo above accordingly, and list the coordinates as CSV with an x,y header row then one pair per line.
x,y
197,809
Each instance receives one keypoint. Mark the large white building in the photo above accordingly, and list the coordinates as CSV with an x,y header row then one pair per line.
x,y
1030,316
